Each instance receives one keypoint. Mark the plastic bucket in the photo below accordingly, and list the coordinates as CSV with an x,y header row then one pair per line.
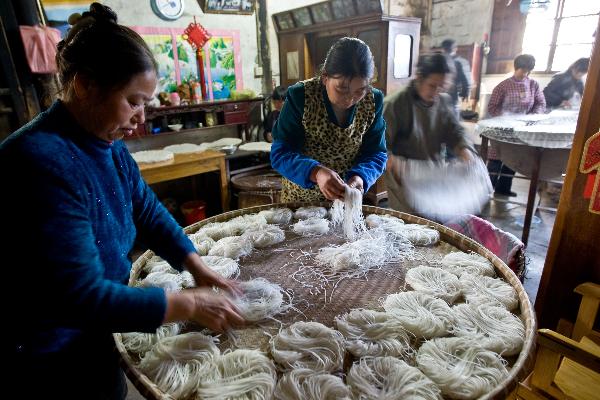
x,y
193,211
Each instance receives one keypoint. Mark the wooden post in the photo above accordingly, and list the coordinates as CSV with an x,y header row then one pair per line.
x,y
574,251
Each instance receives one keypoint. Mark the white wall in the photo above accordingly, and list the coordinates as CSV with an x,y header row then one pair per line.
x,y
462,20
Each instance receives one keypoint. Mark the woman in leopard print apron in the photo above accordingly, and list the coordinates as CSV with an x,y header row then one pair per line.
x,y
331,131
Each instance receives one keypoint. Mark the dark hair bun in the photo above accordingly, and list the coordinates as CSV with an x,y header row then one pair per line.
x,y
101,13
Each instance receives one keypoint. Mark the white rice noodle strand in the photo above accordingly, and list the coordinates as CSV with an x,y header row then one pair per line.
x,y
233,247
309,345
460,367
177,363
493,327
280,216
310,212
265,236
479,289
140,342
311,226
304,384
420,313
387,378
348,213
241,374
434,281
226,267
373,333
261,299
471,263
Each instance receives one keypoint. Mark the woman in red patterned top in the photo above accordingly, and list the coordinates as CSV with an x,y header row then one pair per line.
x,y
516,95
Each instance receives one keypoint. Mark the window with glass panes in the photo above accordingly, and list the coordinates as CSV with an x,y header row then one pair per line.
x,y
558,32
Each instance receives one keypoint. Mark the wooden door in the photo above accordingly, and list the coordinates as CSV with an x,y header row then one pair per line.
x,y
506,39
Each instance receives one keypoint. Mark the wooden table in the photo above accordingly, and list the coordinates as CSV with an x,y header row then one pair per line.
x,y
185,165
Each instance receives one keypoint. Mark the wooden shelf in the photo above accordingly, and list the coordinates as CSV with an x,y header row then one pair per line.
x,y
153,112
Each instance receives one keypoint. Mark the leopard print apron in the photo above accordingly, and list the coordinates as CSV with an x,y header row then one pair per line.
x,y
334,147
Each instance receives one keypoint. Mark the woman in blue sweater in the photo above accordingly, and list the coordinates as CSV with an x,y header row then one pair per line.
x,y
331,131
76,205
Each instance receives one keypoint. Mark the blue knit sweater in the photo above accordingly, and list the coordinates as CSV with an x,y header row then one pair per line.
x,y
76,205
289,136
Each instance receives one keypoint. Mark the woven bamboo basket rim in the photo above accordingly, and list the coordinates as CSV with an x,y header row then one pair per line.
x,y
519,371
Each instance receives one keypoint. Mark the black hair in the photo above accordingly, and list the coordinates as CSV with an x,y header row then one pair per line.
x,y
448,45
106,53
581,65
434,63
350,58
279,93
525,61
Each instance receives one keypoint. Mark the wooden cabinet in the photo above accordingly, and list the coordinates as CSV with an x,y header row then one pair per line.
x,y
200,116
394,42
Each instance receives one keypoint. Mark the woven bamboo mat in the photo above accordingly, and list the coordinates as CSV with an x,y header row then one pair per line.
x,y
281,263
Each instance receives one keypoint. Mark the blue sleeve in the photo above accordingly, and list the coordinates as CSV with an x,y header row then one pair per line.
x,y
288,140
155,226
72,284
371,159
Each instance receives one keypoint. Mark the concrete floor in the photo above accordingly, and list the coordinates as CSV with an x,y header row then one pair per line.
x,y
507,214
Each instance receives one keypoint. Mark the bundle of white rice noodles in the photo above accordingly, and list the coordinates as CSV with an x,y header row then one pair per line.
x,y
360,255
460,367
260,300
202,243
417,234
247,222
373,333
277,215
177,364
459,262
380,220
304,384
241,374
309,345
479,289
372,250
434,281
387,378
312,226
439,190
347,214
226,267
493,327
233,247
140,342
218,230
166,280
157,264
265,236
310,212
419,313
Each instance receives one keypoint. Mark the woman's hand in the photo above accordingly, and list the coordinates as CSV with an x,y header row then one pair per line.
x,y
205,307
204,276
330,183
356,182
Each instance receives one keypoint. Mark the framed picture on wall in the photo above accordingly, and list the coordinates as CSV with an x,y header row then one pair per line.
x,y
342,9
321,12
227,6
302,17
369,6
284,21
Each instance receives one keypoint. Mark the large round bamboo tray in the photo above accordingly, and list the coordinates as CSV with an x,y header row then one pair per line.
x,y
356,294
